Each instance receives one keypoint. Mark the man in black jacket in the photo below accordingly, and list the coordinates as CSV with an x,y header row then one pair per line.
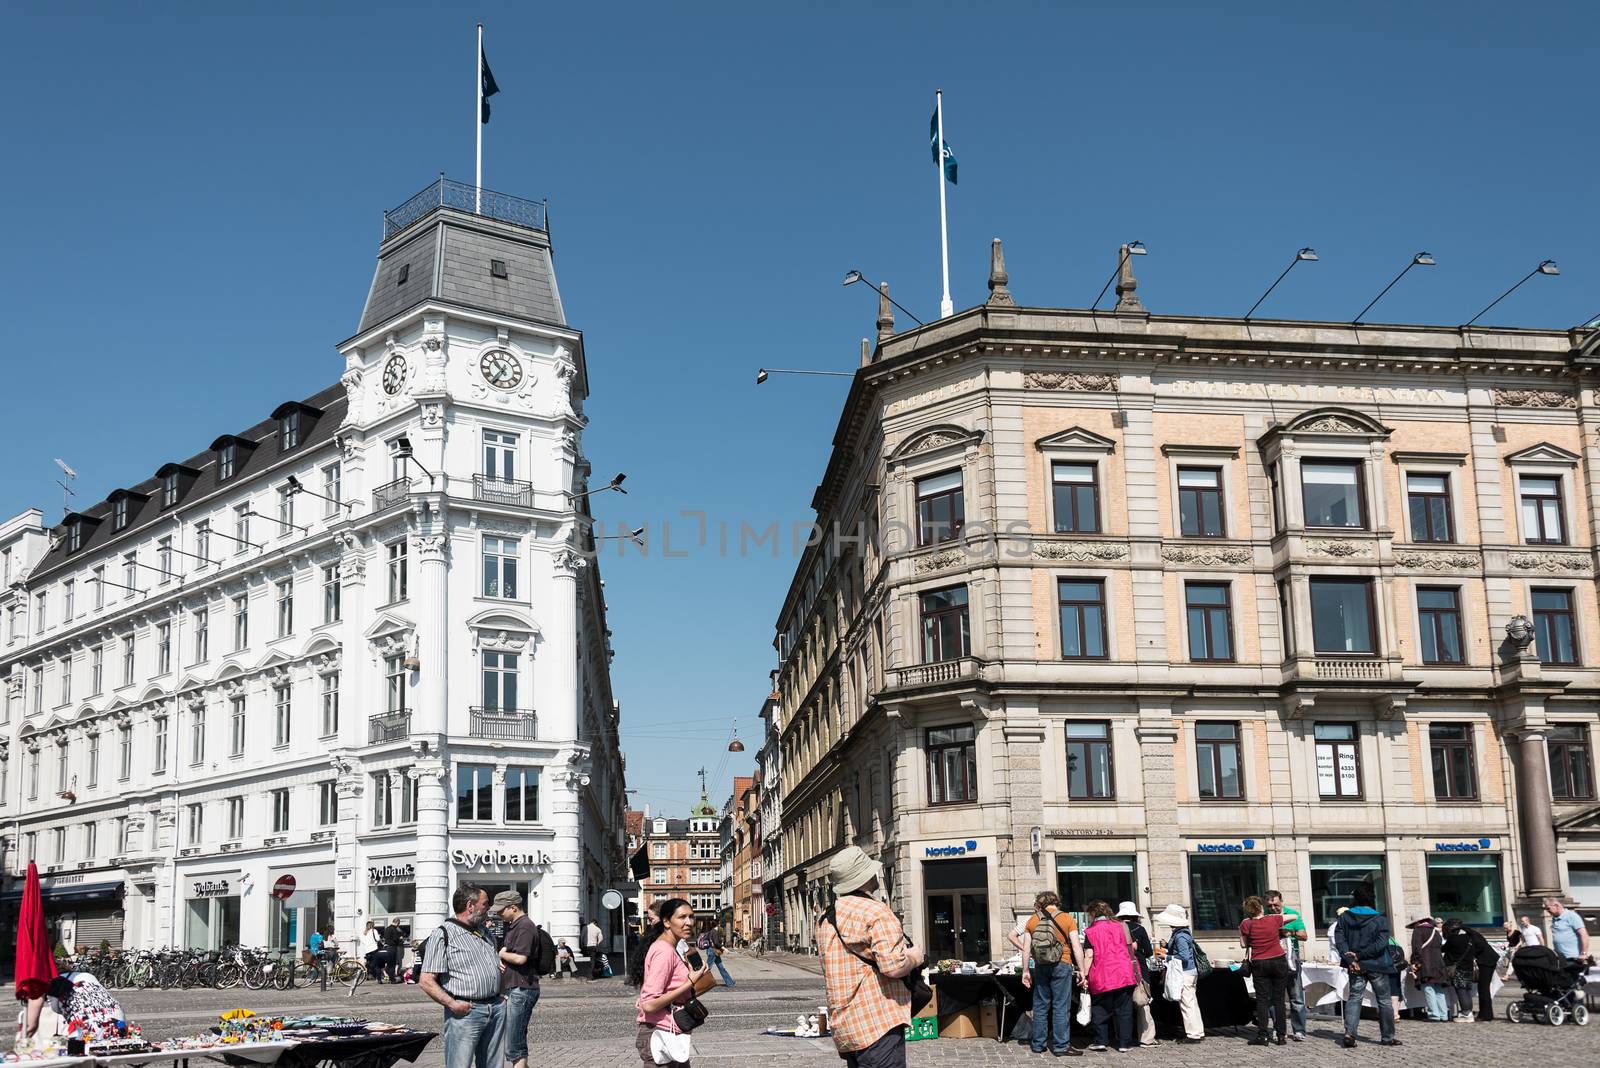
x,y
394,941
1362,942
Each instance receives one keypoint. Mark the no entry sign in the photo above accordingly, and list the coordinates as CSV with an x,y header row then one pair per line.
x,y
283,887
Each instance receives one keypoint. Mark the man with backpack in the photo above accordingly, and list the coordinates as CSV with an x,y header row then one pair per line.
x,y
1362,942
711,945
1054,947
527,953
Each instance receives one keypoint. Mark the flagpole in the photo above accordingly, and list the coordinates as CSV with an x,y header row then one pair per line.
x,y
946,308
477,122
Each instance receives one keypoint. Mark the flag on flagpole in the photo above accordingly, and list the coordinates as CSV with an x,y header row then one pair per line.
x,y
488,88
933,147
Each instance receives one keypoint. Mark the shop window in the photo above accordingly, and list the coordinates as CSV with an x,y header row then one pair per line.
x,y
1210,620
1077,498
474,794
946,632
1338,760
1218,886
1082,604
1466,887
1439,624
390,898
1089,775
1428,499
941,510
1200,502
1571,770
1335,875
1555,634
952,765
1093,877
1333,494
1341,617
1454,773
1219,770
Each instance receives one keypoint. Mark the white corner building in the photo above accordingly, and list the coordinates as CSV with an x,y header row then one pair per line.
x,y
334,663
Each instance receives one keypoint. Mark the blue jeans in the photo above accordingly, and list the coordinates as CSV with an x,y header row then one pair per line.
x,y
712,959
1381,983
476,1040
1433,997
1052,1006
520,1001
1298,1015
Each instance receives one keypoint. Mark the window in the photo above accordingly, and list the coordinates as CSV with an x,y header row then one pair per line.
x,y
99,580
1332,493
1338,760
197,736
128,651
952,765
1341,616
945,633
285,607
330,704
164,559
122,834
280,811
1200,502
499,456
92,772
91,841
659,851
74,536
382,800
410,790
1439,623
241,622
1571,770
119,513
202,635
332,607
1219,768
1077,498
1089,776
1082,605
202,541
160,745
241,529
1210,620
38,689
1218,886
497,269
397,570
285,510
226,458
327,803
474,797
69,600
657,875
163,648
235,817
197,823
97,670
1466,887
39,604
1542,522
169,489
66,680
940,509
522,795
124,753
33,775
1334,875
58,845
288,431
280,715
332,489
130,574
1428,497
500,567
499,680
394,673
61,766
1554,629
1454,777
30,849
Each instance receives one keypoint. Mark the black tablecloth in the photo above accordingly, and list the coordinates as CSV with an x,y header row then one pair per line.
x,y
356,1051
958,992
1224,1002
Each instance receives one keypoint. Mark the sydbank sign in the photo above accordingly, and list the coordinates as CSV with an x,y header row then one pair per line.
x,y
497,857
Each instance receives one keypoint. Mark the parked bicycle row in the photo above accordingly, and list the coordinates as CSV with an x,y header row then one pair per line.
x,y
256,969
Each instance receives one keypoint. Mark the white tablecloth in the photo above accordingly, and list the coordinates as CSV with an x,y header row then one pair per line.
x,y
1332,985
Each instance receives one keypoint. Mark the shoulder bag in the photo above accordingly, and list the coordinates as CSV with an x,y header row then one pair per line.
x,y
1244,969
1141,985
921,993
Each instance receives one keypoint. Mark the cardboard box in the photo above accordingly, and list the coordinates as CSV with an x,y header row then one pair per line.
x,y
967,1023
989,1019
932,1007
922,1027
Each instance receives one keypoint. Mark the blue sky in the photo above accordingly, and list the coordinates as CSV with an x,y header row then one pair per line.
x,y
194,202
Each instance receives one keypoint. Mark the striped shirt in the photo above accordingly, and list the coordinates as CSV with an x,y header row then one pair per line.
x,y
465,961
864,1004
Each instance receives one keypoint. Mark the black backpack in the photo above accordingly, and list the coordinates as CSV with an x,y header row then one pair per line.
x,y
544,952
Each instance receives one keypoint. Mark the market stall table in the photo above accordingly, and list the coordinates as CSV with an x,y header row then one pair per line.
x,y
238,1053
1224,997
1318,976
957,992
372,1050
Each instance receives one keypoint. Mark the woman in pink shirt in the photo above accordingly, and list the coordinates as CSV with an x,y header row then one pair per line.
x,y
665,980
1111,976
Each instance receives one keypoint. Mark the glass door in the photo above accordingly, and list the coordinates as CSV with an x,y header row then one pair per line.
x,y
958,927
941,927
975,927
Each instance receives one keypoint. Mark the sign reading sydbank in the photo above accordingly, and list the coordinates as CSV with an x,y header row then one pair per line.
x,y
497,857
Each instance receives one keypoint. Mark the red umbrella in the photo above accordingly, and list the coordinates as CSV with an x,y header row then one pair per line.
x,y
36,965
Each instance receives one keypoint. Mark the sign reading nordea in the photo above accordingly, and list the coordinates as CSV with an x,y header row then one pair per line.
x,y
961,850
1464,847
1226,847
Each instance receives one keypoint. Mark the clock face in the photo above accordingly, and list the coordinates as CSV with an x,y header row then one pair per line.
x,y
394,374
500,369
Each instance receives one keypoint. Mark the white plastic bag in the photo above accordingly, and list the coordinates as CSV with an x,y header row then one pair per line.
x,y
669,1047
1174,981
1083,1008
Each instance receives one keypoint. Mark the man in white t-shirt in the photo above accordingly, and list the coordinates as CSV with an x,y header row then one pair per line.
x,y
1530,931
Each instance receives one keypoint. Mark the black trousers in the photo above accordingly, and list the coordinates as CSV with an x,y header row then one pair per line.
x,y
1271,978
888,1052
1486,990
395,954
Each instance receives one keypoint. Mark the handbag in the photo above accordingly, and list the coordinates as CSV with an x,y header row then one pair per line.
x,y
1244,969
690,1014
921,993
668,1048
1141,986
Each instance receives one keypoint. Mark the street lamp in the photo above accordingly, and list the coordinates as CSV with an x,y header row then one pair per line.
x,y
1545,267
614,484
295,486
856,276
1309,254
763,372
403,451
1133,248
636,535
1421,259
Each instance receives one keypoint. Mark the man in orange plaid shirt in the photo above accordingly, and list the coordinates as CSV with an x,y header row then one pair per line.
x,y
865,955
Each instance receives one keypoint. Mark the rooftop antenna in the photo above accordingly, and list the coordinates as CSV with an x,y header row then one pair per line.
x,y
67,492
702,774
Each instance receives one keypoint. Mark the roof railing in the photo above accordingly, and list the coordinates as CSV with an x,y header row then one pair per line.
x,y
462,196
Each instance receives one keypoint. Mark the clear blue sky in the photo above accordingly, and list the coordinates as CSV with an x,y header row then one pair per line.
x,y
193,204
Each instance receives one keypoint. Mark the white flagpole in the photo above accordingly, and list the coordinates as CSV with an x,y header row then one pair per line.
x,y
477,122
946,308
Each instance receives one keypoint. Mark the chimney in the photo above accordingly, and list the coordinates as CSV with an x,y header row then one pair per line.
x,y
1127,284
999,295
885,313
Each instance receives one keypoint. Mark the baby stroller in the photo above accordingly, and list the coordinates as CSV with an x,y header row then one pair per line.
x,y
1552,987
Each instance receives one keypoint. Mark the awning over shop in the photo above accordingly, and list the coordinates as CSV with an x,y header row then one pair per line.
x,y
72,892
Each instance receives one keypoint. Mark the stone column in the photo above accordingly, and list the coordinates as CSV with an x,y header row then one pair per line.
x,y
1541,873
558,724
433,840
431,716
347,876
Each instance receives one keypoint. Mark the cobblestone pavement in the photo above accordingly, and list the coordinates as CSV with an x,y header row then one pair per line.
x,y
590,1025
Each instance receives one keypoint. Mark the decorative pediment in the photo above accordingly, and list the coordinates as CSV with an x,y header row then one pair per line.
x,y
152,694
387,624
1336,421
319,645
189,686
391,636
941,438
499,630
229,669
1077,438
1544,453
1584,821
276,659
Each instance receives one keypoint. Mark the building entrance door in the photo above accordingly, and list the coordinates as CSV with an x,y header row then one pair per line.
x,y
957,903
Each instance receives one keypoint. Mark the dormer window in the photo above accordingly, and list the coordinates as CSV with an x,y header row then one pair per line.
x,y
169,489
497,269
226,457
295,421
289,431
119,513
74,537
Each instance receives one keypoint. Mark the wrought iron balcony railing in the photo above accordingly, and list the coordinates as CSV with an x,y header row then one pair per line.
x,y
462,196
389,727
390,494
505,724
502,491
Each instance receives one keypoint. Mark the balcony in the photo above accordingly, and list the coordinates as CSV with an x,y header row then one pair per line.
x,y
389,727
462,196
505,724
943,671
1359,669
502,491
390,494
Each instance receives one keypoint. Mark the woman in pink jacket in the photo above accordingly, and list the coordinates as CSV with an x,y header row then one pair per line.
x,y
1112,975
